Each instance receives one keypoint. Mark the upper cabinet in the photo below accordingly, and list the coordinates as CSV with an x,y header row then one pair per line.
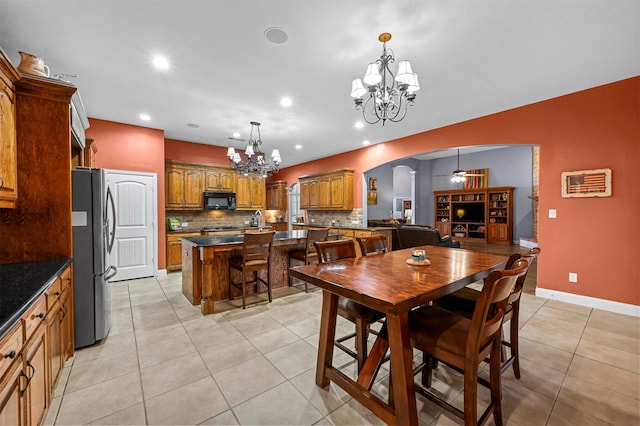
x,y
250,192
8,152
184,187
219,179
277,195
327,191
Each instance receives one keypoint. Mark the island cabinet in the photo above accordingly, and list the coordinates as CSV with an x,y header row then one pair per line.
x,y
184,187
8,151
219,179
277,195
327,191
250,192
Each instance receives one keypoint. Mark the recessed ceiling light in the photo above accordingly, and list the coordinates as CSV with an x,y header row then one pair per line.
x,y
298,146
359,125
236,135
145,117
276,35
193,125
161,62
365,142
285,102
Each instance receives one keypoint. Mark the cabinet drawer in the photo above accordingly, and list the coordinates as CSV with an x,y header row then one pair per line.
x,y
65,279
10,347
34,317
53,293
361,233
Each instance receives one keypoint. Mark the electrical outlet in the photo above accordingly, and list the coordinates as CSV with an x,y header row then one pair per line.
x,y
246,222
313,220
552,213
184,224
573,277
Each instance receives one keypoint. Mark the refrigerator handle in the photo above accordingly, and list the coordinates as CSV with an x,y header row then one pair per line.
x,y
111,230
110,273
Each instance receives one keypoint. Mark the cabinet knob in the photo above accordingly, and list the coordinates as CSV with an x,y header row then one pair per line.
x,y
57,293
40,315
11,355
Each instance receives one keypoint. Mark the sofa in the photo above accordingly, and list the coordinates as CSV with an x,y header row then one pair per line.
x,y
405,236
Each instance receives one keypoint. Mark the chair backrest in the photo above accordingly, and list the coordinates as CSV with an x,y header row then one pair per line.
x,y
314,235
329,251
530,256
492,303
373,244
257,245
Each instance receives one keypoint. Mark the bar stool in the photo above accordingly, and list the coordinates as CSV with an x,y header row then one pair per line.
x,y
362,316
373,244
308,254
256,253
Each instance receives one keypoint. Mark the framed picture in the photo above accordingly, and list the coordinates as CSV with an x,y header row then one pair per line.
x,y
372,198
406,205
586,183
373,184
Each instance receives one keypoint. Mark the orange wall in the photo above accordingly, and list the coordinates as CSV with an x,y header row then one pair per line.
x,y
132,148
195,153
595,128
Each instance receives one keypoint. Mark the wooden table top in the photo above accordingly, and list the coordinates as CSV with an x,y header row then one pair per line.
x,y
387,283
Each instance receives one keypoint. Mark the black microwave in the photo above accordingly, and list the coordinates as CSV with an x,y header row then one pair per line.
x,y
219,200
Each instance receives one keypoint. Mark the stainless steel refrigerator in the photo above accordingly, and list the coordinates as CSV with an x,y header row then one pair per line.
x,y
93,238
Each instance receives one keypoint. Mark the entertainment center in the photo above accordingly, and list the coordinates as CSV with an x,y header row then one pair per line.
x,y
479,214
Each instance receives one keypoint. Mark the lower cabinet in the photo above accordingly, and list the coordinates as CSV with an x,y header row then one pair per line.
x,y
174,249
33,353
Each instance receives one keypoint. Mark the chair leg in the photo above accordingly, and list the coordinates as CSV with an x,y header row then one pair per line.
x,y
290,277
427,370
515,354
361,342
244,290
495,384
268,282
471,392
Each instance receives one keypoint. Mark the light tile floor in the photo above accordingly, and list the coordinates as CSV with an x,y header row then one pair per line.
x,y
164,363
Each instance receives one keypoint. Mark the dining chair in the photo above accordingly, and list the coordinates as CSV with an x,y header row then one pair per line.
x,y
308,255
463,343
372,245
362,316
255,257
464,300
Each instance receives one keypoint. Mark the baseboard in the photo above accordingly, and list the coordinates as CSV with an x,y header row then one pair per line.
x,y
592,302
161,273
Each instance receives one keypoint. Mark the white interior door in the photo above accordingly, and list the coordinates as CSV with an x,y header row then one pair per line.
x,y
135,244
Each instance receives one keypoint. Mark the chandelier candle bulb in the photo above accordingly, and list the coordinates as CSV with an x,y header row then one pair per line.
x,y
255,161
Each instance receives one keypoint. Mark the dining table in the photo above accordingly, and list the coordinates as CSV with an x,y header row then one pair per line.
x,y
389,283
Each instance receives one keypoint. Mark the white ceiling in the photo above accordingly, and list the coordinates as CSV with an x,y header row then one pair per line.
x,y
473,58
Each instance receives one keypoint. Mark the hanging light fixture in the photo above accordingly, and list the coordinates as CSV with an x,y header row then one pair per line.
x,y
388,94
255,161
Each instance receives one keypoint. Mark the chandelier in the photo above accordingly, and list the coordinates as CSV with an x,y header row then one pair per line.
x,y
255,161
388,95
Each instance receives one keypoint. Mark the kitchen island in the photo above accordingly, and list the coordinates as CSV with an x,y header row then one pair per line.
x,y
205,264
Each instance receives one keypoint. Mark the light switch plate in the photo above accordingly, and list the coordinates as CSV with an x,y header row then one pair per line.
x,y
552,213
573,277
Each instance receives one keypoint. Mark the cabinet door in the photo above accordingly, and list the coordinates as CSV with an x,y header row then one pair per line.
x,y
227,182
174,255
337,192
54,344
212,180
66,323
35,366
11,401
257,192
314,194
193,197
324,189
175,187
444,228
8,159
243,192
304,195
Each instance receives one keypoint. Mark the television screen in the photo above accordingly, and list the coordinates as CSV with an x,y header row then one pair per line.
x,y
468,212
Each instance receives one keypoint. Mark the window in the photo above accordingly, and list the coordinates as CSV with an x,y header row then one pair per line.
x,y
294,205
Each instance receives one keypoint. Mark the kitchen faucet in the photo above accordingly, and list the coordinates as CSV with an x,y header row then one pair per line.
x,y
256,214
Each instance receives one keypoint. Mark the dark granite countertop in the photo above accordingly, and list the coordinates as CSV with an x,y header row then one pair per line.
x,y
215,229
225,240
21,284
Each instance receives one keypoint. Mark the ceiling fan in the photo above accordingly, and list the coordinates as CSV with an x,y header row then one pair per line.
x,y
459,175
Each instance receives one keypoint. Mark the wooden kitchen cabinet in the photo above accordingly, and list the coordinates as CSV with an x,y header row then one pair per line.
x,y
184,187
250,192
219,179
327,191
277,195
8,148
174,249
12,407
35,366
